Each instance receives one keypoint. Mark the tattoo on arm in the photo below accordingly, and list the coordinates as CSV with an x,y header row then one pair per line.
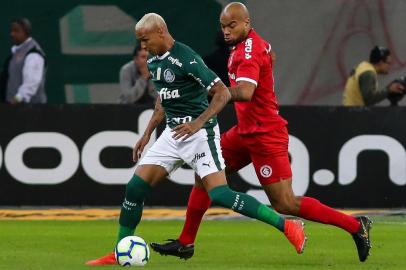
x,y
221,96
236,93
156,118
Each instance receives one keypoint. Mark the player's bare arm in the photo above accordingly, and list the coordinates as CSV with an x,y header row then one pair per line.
x,y
243,91
156,119
221,96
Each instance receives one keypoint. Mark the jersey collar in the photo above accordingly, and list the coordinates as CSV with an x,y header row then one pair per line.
x,y
163,56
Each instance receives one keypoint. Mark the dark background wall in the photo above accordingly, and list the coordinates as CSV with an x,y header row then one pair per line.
x,y
81,155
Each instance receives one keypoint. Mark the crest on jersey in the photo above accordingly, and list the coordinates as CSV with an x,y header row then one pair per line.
x,y
169,75
265,171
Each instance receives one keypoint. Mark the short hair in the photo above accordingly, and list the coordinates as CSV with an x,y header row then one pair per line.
x,y
137,49
149,20
378,54
25,24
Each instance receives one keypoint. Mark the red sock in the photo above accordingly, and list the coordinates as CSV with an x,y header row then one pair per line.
x,y
199,202
312,209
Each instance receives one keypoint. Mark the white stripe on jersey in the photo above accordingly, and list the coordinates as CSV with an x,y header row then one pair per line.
x,y
247,80
212,83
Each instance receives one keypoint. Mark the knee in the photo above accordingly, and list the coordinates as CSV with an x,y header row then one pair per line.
x,y
137,189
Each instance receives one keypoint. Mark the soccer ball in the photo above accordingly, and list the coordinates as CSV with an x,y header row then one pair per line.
x,y
132,250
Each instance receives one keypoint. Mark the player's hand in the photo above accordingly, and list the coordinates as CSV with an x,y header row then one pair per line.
x,y
186,130
144,72
139,147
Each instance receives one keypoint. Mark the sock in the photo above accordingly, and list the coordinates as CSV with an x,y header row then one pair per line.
x,y
199,202
131,209
246,205
312,209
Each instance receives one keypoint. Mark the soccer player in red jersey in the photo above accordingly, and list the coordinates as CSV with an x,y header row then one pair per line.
x,y
192,141
260,137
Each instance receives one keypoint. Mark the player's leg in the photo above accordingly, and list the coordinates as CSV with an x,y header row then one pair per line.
x,y
199,200
145,177
285,202
198,203
282,198
273,171
159,160
183,247
221,194
137,189
235,154
247,205
214,181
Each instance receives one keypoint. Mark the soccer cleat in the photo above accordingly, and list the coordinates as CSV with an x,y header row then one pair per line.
x,y
109,259
361,238
174,248
294,231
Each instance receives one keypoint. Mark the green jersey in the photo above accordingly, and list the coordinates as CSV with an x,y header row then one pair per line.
x,y
182,80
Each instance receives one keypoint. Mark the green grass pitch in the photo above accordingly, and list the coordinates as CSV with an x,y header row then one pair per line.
x,y
221,244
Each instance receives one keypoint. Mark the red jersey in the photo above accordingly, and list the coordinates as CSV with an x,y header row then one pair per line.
x,y
251,61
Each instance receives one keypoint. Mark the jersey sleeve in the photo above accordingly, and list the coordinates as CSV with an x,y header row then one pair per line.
x,y
250,65
197,69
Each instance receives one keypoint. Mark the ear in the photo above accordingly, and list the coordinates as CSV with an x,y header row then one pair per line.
x,y
160,31
247,21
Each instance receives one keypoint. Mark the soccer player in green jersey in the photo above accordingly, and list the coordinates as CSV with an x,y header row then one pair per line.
x,y
192,135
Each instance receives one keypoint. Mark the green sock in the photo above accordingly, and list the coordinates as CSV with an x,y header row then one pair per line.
x,y
246,205
131,209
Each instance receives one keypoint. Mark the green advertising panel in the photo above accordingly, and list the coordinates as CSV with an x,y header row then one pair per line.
x,y
87,42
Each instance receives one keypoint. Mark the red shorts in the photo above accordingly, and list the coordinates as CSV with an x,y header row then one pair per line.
x,y
267,151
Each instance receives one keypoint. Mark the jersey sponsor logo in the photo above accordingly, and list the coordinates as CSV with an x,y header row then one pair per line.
x,y
198,156
206,164
248,48
180,120
169,75
193,62
165,93
265,171
175,61
231,75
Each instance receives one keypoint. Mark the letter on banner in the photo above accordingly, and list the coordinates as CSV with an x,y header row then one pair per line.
x,y
68,150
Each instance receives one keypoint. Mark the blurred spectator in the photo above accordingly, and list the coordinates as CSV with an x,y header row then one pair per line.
x,y
3,84
135,83
217,60
23,76
361,88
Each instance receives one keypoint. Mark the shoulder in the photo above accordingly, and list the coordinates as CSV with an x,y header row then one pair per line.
x,y
253,46
260,45
186,58
367,75
183,48
34,57
127,66
184,53
36,48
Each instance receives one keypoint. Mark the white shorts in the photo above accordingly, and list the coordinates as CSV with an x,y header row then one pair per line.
x,y
201,152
